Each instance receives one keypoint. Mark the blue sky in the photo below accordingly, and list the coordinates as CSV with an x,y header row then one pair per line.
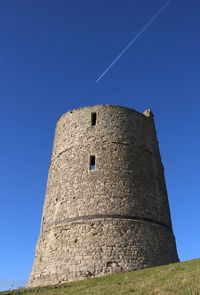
x,y
51,53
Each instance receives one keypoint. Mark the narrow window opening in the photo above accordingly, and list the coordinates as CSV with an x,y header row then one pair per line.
x,y
92,163
93,119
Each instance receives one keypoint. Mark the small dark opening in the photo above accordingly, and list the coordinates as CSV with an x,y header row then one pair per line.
x,y
92,163
93,119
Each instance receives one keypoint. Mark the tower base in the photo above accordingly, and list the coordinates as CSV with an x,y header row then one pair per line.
x,y
78,249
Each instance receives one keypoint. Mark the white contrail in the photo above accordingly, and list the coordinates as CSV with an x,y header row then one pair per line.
x,y
134,39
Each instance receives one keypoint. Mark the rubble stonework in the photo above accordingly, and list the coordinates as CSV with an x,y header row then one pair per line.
x,y
110,219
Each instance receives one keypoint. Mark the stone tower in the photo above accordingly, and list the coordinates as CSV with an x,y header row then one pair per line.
x,y
106,207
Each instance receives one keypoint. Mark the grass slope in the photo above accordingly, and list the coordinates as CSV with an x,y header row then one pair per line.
x,y
179,278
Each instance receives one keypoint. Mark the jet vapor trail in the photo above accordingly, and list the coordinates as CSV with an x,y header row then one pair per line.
x,y
134,39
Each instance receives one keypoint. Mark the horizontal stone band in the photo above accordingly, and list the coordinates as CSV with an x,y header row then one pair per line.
x,y
101,216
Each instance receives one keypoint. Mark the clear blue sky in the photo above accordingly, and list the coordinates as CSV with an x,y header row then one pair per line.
x,y
51,54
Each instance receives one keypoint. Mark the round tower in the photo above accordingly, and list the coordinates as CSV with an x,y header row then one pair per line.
x,y
106,207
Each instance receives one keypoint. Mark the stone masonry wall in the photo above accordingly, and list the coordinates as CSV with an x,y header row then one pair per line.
x,y
114,218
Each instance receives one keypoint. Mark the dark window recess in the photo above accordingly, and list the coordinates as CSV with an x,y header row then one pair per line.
x,y
92,163
93,119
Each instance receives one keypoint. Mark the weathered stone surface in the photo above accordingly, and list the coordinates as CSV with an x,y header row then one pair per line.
x,y
114,218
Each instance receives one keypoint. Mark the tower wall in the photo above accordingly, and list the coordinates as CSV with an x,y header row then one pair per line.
x,y
114,218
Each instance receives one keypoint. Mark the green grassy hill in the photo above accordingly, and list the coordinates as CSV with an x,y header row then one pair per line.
x,y
179,278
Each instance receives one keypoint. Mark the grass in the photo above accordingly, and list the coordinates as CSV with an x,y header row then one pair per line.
x,y
179,278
